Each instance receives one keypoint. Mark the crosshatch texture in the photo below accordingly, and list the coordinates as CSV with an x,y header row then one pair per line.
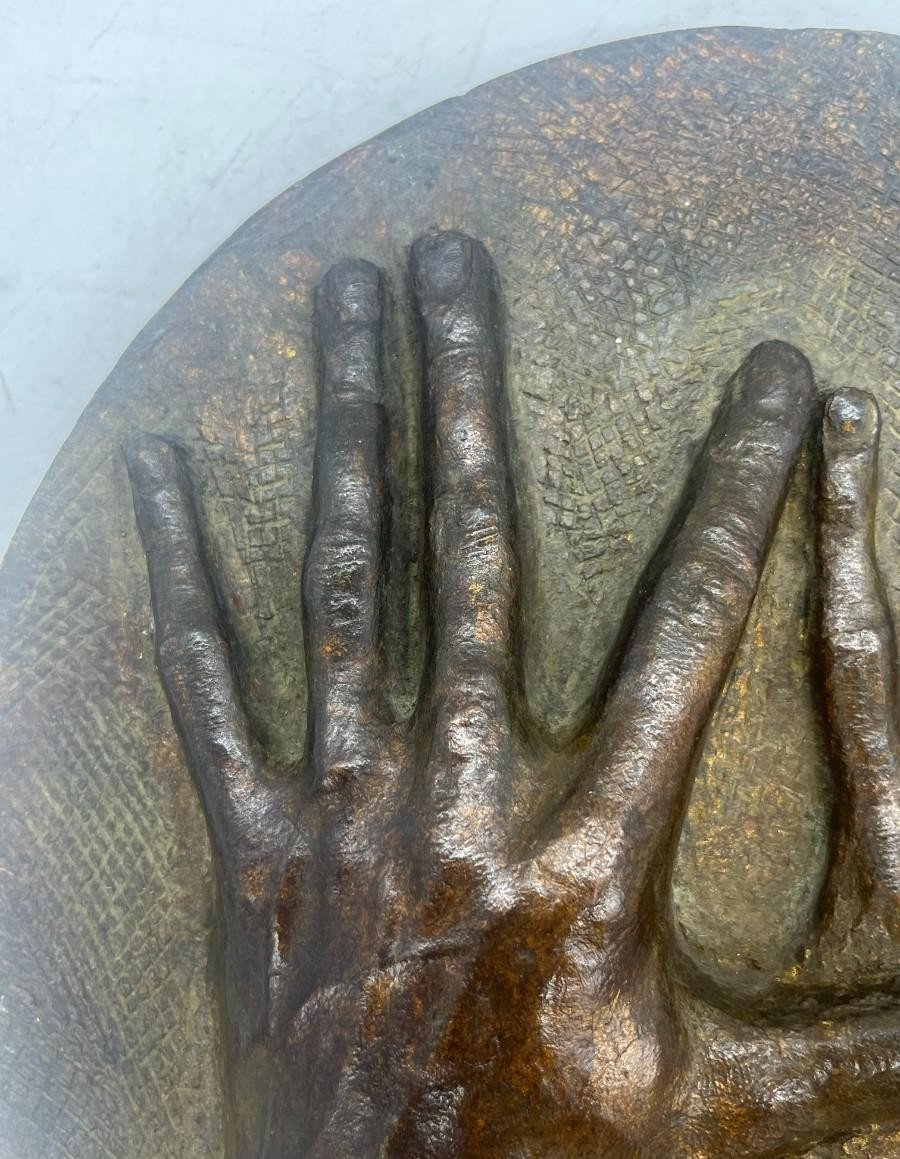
x,y
654,208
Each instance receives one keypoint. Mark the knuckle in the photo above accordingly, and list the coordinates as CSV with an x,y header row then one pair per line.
x,y
482,527
199,646
728,555
480,534
340,575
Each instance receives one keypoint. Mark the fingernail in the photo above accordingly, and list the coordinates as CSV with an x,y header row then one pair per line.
x,y
442,265
852,417
351,291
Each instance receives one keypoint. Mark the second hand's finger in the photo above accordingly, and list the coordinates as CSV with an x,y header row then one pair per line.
x,y
760,1091
620,827
858,646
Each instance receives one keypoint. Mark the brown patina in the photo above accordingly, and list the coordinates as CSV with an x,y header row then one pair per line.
x,y
552,809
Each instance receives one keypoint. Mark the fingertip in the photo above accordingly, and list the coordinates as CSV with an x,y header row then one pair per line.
x,y
445,264
776,352
350,293
850,429
778,376
152,461
851,422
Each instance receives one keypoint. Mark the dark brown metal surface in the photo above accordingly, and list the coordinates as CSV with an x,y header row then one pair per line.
x,y
451,935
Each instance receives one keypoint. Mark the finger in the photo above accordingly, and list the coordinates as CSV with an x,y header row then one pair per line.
x,y
470,517
623,821
192,653
858,645
343,571
762,1091
472,566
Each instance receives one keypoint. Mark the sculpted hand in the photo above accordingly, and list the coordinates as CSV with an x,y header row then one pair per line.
x,y
443,937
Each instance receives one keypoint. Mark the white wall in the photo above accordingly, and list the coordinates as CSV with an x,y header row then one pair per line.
x,y
136,135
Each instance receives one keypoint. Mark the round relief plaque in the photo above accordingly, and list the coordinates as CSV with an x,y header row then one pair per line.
x,y
654,210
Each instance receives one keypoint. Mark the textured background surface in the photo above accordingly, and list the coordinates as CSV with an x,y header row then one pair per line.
x,y
137,134
654,209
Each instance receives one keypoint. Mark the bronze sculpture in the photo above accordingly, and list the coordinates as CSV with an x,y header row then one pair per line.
x,y
443,937
656,210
